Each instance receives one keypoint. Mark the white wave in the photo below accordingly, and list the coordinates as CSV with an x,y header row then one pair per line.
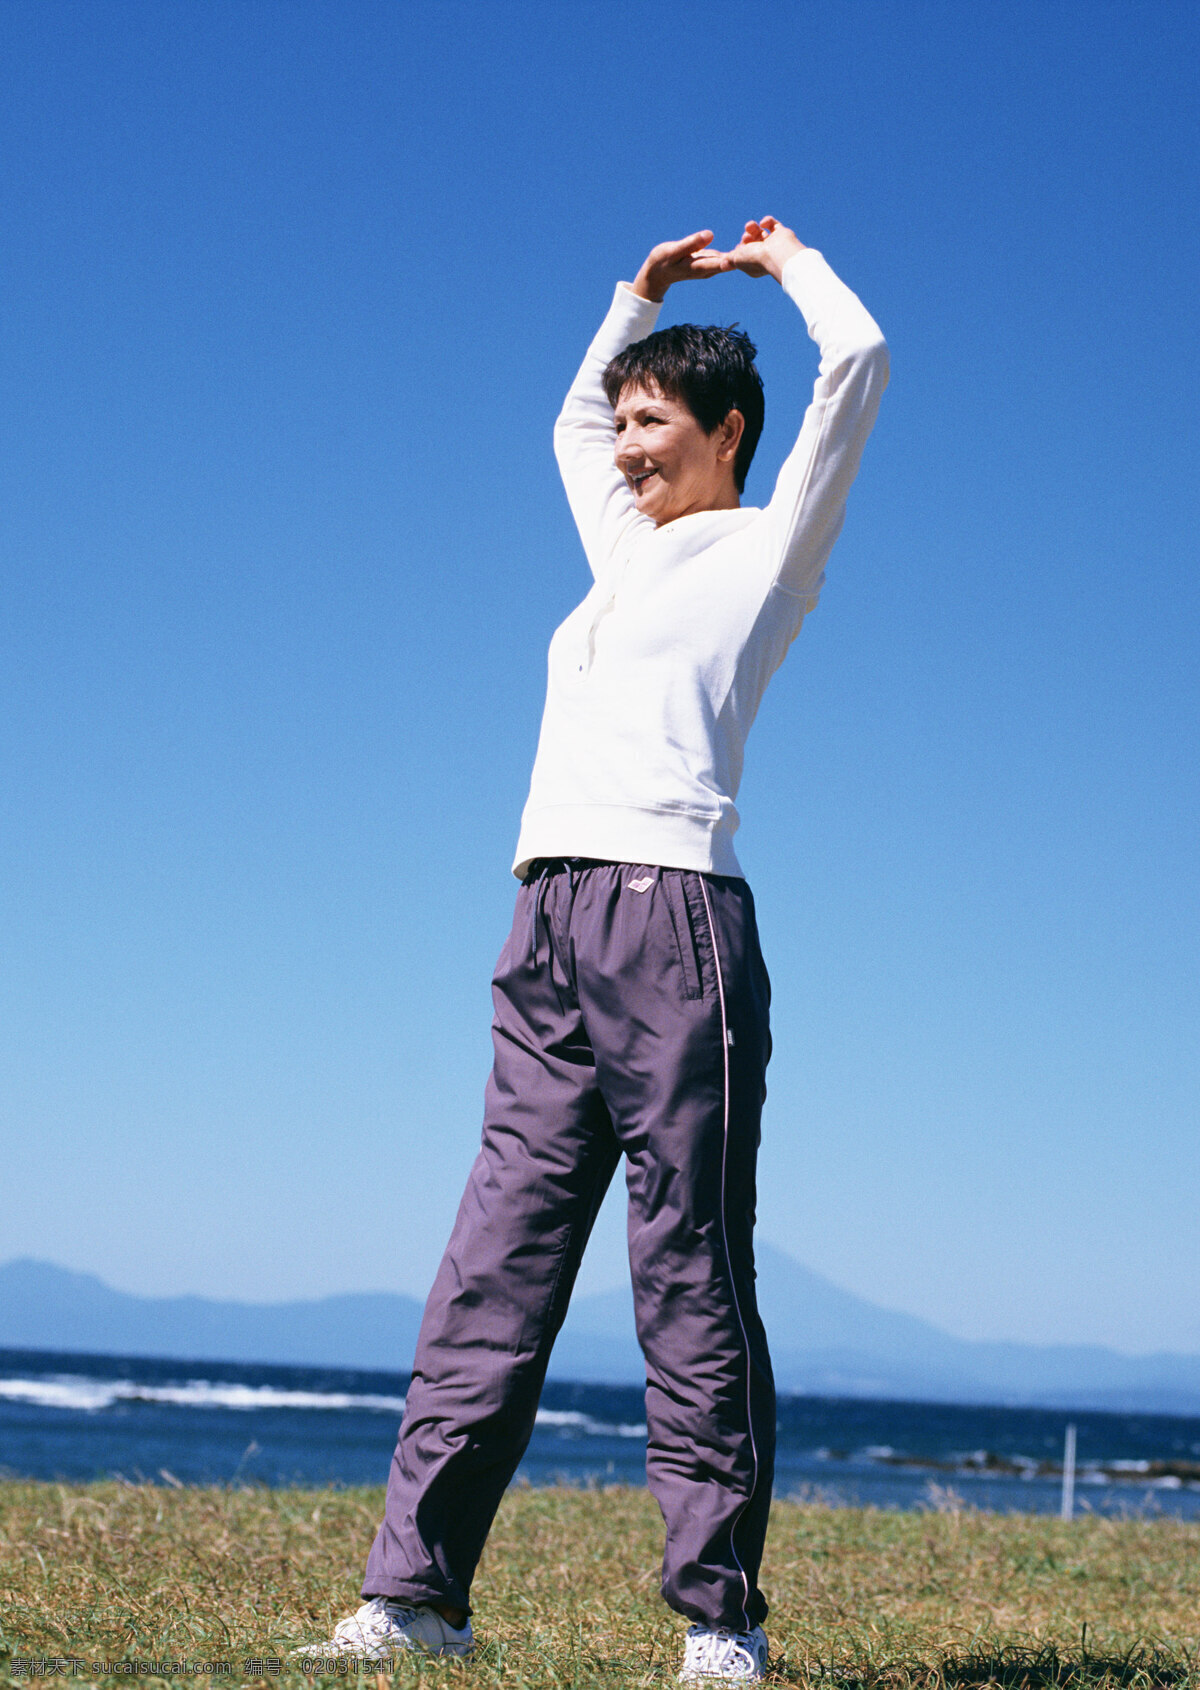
x,y
74,1391
59,1393
92,1396
570,1420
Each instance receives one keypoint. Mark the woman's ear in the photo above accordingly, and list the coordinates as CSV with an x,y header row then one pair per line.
x,y
731,431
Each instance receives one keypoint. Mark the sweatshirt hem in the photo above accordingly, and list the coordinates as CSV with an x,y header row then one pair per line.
x,y
624,834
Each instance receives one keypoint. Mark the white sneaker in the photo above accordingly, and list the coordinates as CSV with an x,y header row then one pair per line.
x,y
385,1626
721,1653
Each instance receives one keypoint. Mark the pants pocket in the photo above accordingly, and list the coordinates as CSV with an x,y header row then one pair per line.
x,y
685,932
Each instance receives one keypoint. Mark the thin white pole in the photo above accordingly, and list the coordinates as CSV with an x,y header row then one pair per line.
x,y
1068,1495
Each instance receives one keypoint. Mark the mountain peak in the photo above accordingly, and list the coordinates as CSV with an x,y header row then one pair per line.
x,y
825,1340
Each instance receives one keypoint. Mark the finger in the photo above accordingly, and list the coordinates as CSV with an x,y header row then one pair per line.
x,y
768,223
705,253
670,252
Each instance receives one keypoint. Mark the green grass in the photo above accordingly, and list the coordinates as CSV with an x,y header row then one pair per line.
x,y
567,1594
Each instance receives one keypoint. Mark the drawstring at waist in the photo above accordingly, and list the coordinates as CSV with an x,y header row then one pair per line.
x,y
538,876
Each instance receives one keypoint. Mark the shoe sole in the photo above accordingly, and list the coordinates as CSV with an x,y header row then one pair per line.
x,y
459,1651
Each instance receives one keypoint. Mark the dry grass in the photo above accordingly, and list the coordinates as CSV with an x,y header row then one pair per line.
x,y
568,1590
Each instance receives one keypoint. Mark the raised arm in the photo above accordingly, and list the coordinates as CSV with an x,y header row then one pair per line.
x,y
809,502
584,438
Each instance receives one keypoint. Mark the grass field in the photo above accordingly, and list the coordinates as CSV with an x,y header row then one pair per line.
x,y
567,1593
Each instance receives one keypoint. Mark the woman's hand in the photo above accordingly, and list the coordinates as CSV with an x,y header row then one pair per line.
x,y
764,249
689,260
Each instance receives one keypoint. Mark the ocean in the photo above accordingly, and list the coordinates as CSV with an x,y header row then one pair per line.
x,y
80,1417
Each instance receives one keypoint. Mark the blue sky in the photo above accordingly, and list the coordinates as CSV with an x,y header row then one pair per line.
x,y
289,297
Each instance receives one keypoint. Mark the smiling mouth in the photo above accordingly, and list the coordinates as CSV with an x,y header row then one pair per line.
x,y
638,481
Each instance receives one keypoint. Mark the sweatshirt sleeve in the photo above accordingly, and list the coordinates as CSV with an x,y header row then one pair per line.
x,y
584,436
809,502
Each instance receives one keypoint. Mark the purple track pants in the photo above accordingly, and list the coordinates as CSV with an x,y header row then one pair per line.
x,y
630,1018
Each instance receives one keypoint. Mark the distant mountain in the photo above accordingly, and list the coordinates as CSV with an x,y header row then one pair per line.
x,y
46,1307
824,1340
828,1342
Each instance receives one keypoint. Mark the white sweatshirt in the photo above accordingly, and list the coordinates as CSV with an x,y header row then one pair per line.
x,y
656,678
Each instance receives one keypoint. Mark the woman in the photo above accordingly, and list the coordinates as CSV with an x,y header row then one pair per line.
x,y
631,999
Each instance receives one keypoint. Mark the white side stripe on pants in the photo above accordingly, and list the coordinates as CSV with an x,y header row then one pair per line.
x,y
726,1041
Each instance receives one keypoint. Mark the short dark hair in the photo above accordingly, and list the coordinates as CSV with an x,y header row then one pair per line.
x,y
711,370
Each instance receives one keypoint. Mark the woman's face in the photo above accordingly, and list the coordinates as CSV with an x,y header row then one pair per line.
x,y
672,467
